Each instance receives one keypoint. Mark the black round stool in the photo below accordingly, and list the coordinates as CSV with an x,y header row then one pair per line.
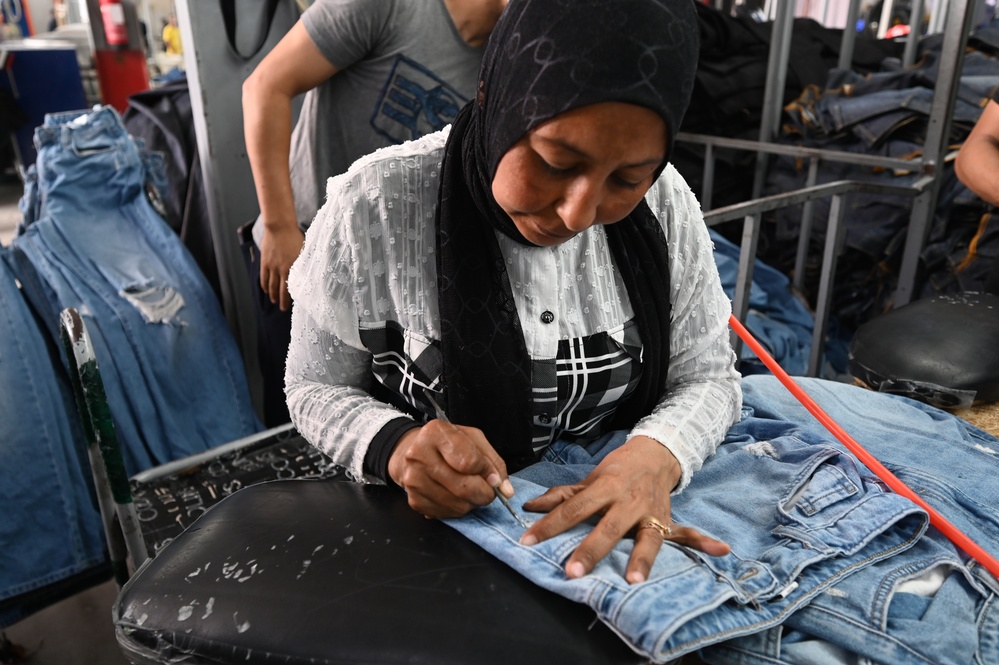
x,y
943,351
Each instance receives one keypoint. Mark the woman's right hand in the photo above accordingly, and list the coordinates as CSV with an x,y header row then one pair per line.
x,y
447,470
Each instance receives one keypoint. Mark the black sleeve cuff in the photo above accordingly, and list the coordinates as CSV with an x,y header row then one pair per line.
x,y
377,458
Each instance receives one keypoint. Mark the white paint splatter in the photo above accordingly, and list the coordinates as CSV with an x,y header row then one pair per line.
x,y
305,567
832,591
208,607
185,612
240,627
979,446
348,540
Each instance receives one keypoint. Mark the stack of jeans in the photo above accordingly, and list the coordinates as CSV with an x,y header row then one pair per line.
x,y
51,530
827,564
91,238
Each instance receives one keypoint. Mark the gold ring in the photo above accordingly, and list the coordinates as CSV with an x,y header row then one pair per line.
x,y
665,530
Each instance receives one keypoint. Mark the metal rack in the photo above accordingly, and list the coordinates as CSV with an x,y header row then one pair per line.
x,y
924,193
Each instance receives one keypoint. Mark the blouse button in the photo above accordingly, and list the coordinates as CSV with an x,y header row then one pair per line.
x,y
547,317
545,419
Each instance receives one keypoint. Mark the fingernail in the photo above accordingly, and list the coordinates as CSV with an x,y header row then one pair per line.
x,y
635,578
493,479
528,540
506,487
574,570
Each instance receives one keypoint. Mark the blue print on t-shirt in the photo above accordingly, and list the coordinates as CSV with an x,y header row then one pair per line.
x,y
414,102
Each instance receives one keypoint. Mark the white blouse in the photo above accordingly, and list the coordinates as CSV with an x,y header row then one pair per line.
x,y
369,261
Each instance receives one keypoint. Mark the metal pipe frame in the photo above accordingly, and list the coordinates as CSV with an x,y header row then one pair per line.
x,y
959,21
773,94
752,213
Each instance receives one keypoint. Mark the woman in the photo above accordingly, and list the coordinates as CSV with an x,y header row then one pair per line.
x,y
543,272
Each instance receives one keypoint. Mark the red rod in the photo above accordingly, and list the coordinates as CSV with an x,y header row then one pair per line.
x,y
955,535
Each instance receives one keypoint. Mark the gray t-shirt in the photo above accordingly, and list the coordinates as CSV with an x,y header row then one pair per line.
x,y
403,71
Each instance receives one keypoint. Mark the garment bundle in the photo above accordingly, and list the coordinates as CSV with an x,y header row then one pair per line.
x,y
92,239
827,564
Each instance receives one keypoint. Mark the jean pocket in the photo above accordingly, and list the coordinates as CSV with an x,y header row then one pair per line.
x,y
823,493
90,144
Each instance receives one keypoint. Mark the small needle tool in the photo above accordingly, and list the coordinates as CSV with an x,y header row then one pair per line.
x,y
499,495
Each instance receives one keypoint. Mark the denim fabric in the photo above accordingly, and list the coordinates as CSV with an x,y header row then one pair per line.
x,y
51,529
868,614
818,517
877,115
957,477
174,377
777,319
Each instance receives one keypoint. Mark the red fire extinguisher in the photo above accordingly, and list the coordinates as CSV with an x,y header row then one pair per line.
x,y
113,18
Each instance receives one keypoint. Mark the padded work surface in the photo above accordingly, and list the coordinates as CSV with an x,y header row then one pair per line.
x,y
933,350
169,504
324,571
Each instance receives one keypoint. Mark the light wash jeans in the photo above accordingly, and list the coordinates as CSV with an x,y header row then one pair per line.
x,y
888,612
51,529
91,239
799,512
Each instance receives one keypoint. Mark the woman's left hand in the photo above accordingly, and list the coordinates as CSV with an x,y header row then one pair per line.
x,y
630,485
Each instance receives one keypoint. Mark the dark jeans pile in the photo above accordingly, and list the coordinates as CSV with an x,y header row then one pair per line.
x,y
886,114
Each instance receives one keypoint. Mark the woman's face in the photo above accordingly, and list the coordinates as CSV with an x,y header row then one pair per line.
x,y
591,165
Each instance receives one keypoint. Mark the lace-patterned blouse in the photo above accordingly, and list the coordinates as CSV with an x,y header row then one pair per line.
x,y
365,318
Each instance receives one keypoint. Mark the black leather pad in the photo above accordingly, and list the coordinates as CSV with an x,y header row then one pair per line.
x,y
326,571
944,350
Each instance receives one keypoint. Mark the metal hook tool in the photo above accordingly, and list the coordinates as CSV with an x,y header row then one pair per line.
x,y
506,504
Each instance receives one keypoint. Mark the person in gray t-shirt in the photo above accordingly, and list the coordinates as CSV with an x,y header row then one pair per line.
x,y
374,73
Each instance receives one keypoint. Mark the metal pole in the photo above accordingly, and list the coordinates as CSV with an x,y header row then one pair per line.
x,y
773,95
849,35
883,26
835,235
744,276
805,232
708,181
924,206
915,30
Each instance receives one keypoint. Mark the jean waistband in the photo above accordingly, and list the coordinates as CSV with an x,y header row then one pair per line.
x,y
63,127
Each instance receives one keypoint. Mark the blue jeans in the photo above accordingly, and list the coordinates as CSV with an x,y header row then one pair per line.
x,y
799,513
51,529
776,317
92,240
869,614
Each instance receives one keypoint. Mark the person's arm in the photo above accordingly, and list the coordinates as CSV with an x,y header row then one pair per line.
x,y
703,400
445,469
293,67
977,164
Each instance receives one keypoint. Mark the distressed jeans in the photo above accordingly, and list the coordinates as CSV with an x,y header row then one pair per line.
x,y
799,512
928,605
92,240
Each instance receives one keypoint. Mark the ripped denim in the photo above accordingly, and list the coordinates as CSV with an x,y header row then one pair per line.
x,y
799,512
929,605
92,239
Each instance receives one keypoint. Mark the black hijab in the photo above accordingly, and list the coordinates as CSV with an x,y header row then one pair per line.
x,y
546,57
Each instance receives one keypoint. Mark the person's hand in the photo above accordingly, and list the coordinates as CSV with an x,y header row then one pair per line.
x,y
278,250
447,469
630,485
